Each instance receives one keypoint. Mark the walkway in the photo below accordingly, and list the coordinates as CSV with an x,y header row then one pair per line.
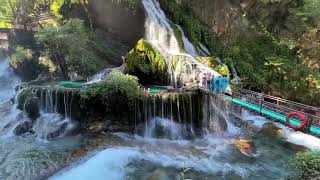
x,y
275,108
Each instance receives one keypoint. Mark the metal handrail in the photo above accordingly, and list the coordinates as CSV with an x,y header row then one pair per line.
x,y
316,109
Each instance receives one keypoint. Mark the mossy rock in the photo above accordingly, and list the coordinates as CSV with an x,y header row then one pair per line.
x,y
23,128
22,97
146,62
31,107
28,103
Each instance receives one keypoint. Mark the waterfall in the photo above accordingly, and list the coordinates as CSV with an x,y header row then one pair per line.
x,y
53,121
98,77
164,128
158,29
8,81
235,76
188,46
163,114
161,35
203,51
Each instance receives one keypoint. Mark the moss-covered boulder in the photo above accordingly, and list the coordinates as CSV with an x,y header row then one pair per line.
x,y
28,103
147,63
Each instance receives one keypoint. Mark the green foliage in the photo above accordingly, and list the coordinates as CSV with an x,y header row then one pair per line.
x,y
308,164
181,14
48,64
6,14
223,70
267,64
264,61
70,44
20,56
146,60
310,11
55,8
115,84
132,4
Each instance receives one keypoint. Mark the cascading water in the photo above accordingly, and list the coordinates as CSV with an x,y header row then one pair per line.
x,y
8,81
98,77
51,123
235,76
188,46
161,35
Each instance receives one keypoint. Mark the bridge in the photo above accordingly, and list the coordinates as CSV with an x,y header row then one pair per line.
x,y
276,109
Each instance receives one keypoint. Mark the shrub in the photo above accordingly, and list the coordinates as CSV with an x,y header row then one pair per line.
x,y
71,47
116,84
19,56
307,164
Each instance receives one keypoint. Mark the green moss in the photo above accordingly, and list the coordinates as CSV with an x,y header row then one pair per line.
x,y
173,61
124,87
145,61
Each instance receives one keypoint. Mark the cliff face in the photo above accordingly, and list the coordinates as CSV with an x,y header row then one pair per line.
x,y
119,19
220,15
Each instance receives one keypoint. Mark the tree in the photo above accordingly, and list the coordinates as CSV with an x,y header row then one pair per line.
x,y
69,45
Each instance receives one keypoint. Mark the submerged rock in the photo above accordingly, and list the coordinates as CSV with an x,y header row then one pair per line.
x,y
158,175
271,130
57,132
245,146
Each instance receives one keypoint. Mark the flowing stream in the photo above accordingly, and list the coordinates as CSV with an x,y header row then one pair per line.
x,y
29,156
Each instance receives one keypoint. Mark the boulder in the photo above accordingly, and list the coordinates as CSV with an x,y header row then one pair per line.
x,y
22,97
23,128
57,132
97,127
245,146
28,103
31,108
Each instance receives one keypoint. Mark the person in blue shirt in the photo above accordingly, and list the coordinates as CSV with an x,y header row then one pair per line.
x,y
223,84
212,83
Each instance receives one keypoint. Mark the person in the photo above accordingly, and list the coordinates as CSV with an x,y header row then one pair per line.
x,y
197,77
204,80
217,85
212,83
208,80
223,84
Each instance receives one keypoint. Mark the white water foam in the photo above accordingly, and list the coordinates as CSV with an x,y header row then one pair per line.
x,y
113,164
99,77
8,81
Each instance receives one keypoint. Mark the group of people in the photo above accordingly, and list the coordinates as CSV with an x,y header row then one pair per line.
x,y
217,84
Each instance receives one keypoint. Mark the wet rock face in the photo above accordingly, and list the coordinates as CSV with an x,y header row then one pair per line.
x,y
57,132
246,147
28,103
23,128
31,107
118,18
